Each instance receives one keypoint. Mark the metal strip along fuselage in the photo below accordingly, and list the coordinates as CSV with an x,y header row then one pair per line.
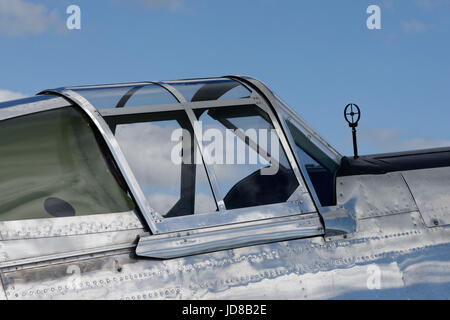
x,y
386,234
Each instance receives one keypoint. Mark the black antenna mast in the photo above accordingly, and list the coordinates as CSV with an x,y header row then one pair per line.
x,y
352,114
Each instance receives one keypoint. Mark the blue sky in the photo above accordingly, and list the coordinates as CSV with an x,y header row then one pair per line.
x,y
316,55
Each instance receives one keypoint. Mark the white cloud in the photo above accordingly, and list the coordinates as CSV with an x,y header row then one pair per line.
x,y
20,17
6,95
415,26
389,140
162,202
149,147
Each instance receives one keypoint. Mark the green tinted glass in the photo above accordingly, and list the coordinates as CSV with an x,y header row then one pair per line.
x,y
51,165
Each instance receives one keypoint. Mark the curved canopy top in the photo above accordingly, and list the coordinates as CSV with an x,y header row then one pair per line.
x,y
158,93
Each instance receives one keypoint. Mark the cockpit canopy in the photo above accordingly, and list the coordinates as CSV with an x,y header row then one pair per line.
x,y
186,154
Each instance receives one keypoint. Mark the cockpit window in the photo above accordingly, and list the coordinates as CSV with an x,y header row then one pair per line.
x,y
250,164
52,165
162,152
319,167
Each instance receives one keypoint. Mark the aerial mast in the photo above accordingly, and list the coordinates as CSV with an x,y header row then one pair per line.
x,y
352,114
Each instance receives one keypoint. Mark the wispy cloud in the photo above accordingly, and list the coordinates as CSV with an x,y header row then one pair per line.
x,y
20,17
388,140
415,26
6,95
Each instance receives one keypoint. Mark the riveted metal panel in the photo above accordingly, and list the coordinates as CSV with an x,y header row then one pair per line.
x,y
13,251
179,245
374,195
431,191
396,225
412,261
69,226
230,217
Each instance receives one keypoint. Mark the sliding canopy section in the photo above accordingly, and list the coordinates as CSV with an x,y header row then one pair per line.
x,y
159,93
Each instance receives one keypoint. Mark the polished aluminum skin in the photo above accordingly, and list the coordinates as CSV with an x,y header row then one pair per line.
x,y
387,237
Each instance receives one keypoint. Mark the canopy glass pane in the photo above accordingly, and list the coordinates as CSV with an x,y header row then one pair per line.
x,y
126,96
215,89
